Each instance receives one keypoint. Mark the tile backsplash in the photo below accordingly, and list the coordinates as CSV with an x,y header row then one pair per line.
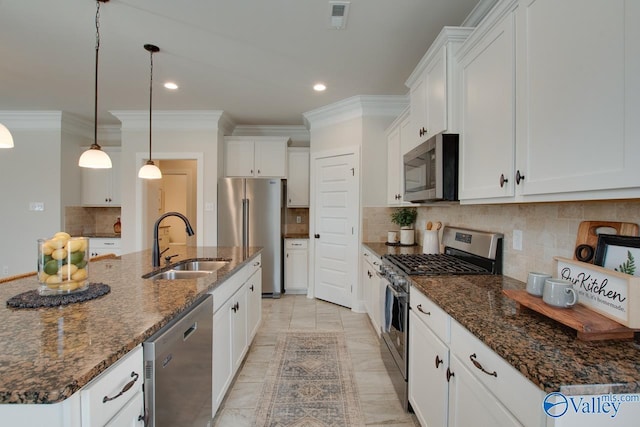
x,y
81,221
548,229
290,224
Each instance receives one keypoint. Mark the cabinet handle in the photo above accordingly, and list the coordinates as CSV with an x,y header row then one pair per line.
x,y
251,287
317,236
419,307
423,132
125,389
449,374
479,366
369,274
438,361
503,180
519,177
256,264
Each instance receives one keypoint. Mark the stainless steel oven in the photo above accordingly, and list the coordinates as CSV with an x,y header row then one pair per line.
x,y
395,332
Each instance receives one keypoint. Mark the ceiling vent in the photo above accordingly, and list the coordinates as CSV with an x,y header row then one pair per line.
x,y
338,14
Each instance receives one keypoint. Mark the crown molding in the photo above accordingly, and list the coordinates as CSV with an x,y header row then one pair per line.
x,y
478,13
356,107
172,120
31,120
298,133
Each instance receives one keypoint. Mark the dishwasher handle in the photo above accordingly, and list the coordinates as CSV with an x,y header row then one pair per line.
x,y
189,331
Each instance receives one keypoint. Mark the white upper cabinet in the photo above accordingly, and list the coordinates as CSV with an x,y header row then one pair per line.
x,y
578,92
298,178
431,87
101,187
397,134
255,157
550,100
487,109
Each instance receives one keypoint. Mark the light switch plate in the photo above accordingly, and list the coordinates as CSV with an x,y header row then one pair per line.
x,y
517,240
36,206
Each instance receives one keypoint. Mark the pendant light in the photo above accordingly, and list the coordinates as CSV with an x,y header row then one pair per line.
x,y
6,140
94,157
150,170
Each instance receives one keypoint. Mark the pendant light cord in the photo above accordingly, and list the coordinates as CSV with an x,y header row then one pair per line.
x,y
150,98
95,93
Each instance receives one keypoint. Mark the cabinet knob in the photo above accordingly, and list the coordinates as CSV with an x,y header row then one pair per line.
x,y
251,171
503,180
438,361
258,171
519,177
449,374
251,287
423,132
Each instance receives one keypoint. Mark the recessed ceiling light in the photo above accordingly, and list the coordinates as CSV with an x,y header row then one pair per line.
x,y
319,87
171,85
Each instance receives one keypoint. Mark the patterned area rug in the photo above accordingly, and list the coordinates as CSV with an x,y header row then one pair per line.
x,y
310,383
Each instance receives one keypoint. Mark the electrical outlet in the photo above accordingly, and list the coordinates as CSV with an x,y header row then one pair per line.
x,y
298,219
5,270
36,206
517,240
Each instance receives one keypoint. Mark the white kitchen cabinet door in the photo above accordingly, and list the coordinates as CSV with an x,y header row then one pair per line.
x,y
436,94
254,304
578,90
418,105
222,366
394,177
255,157
238,158
298,178
487,134
428,386
296,266
239,311
131,415
372,289
271,158
471,403
101,187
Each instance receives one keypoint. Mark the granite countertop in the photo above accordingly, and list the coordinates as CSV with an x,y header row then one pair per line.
x,y
295,236
47,354
546,352
103,235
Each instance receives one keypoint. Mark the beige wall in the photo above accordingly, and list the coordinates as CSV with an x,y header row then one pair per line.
x,y
549,229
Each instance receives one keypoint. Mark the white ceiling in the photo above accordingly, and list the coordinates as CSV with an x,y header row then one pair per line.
x,y
254,59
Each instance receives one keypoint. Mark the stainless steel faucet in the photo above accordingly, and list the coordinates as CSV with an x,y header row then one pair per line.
x,y
156,243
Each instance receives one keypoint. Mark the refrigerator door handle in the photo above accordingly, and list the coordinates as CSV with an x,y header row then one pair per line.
x,y
245,222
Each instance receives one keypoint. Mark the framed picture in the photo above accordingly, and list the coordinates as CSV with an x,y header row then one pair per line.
x,y
619,253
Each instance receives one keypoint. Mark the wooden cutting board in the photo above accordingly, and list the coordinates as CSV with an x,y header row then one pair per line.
x,y
587,234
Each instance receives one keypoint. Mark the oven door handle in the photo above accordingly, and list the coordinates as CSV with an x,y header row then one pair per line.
x,y
395,292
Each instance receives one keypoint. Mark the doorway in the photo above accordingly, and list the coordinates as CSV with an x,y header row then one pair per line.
x,y
180,189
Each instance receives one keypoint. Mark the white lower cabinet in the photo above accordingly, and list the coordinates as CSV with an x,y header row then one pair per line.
x,y
237,316
296,266
457,380
471,403
132,415
107,395
428,386
373,289
104,245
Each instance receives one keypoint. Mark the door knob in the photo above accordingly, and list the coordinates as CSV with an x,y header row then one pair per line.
x,y
317,236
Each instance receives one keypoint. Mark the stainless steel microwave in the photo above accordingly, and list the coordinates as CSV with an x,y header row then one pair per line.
x,y
431,170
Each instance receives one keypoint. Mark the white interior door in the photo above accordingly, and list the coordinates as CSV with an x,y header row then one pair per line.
x,y
335,228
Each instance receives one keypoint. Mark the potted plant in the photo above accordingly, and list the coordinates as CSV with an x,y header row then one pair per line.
x,y
405,218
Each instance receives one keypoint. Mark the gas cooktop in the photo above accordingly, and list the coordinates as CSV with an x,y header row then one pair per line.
x,y
433,264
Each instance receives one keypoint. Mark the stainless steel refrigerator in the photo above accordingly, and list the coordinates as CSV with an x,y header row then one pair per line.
x,y
250,213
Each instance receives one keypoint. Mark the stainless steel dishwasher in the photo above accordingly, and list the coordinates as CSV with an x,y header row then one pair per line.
x,y
178,367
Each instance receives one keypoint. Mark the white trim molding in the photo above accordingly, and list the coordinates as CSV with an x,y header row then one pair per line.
x,y
354,107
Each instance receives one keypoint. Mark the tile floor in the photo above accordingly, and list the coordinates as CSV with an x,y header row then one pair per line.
x,y
379,403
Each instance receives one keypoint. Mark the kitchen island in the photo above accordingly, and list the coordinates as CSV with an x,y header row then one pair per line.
x,y
48,354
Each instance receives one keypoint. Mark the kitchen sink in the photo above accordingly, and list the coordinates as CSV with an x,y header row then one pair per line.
x,y
177,274
201,265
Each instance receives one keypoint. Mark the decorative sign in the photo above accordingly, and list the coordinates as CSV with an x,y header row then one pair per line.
x,y
612,294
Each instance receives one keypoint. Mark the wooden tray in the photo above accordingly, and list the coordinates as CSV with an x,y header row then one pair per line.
x,y
590,325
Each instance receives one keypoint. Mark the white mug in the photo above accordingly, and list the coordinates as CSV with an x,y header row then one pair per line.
x,y
559,293
535,283
392,237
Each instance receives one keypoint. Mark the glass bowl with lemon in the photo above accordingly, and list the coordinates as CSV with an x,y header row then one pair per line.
x,y
63,264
